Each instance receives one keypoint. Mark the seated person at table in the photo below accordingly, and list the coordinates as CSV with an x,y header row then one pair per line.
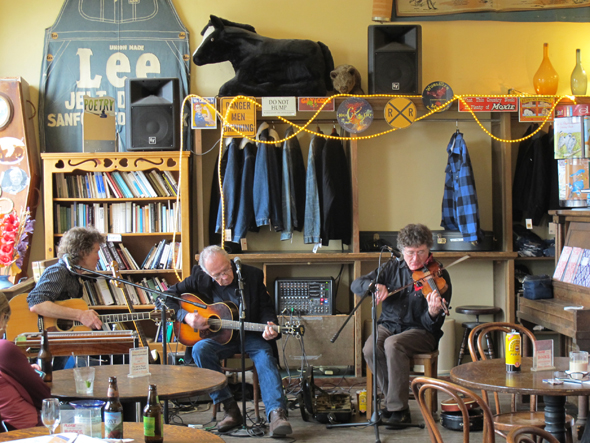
x,y
22,390
215,277
81,245
409,323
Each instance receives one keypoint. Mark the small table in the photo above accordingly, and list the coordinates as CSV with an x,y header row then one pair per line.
x,y
177,434
491,375
172,381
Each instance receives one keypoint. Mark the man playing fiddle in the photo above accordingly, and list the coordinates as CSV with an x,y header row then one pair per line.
x,y
410,323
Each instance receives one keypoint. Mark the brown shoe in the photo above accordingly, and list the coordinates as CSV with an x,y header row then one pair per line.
x,y
279,424
231,419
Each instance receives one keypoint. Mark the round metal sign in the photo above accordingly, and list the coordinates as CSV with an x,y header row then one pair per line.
x,y
355,114
437,94
399,112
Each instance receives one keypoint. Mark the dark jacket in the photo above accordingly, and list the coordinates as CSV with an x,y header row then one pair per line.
x,y
407,309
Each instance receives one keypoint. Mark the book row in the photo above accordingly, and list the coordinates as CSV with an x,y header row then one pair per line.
x,y
573,266
119,218
102,292
116,184
163,255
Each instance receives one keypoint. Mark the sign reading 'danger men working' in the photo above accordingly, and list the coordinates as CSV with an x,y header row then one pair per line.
x,y
91,49
241,118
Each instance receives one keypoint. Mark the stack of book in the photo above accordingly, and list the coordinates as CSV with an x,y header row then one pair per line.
x,y
163,255
102,292
116,184
573,266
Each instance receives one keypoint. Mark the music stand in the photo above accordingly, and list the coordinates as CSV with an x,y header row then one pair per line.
x,y
375,419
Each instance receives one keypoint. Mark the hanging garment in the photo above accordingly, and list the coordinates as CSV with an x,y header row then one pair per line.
x,y
535,188
231,186
246,221
293,197
336,193
459,206
312,221
214,238
267,183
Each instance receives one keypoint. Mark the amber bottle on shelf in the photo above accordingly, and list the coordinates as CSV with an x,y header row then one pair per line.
x,y
579,79
546,78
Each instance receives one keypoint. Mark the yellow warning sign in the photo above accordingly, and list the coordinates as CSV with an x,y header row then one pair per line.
x,y
242,116
399,112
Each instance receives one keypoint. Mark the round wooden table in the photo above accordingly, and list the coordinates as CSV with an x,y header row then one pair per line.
x,y
491,375
176,434
172,381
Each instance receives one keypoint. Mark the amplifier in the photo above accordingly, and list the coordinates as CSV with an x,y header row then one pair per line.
x,y
305,296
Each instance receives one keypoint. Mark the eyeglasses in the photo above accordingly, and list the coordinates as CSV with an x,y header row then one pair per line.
x,y
223,273
419,253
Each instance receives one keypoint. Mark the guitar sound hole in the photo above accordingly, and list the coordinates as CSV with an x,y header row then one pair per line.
x,y
64,325
214,323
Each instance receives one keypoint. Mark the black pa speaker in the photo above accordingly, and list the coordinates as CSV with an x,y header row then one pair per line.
x,y
153,114
395,59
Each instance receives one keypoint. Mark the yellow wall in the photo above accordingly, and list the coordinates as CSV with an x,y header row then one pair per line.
x,y
400,176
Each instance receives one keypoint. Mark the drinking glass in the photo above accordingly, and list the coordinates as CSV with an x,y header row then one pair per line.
x,y
50,413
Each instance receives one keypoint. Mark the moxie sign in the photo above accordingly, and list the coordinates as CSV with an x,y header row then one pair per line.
x,y
489,104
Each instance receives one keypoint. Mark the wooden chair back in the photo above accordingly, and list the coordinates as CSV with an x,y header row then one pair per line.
x,y
530,434
477,351
422,385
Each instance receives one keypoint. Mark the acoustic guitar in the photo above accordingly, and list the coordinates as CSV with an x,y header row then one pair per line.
x,y
222,321
23,320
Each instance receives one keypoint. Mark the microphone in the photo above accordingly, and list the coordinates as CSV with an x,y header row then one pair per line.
x,y
68,263
392,251
238,264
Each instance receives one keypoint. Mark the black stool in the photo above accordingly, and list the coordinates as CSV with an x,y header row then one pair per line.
x,y
476,310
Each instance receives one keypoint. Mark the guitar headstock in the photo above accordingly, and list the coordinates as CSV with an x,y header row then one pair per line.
x,y
116,275
298,330
156,315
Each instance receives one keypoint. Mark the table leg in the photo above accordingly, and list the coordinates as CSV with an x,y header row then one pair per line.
x,y
555,416
581,421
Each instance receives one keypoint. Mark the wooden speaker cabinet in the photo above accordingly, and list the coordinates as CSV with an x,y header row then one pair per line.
x,y
19,155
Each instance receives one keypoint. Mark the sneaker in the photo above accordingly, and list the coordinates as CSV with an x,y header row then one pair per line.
x,y
279,424
398,418
231,419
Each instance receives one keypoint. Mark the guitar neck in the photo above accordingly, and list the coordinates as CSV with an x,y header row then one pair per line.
x,y
129,316
232,324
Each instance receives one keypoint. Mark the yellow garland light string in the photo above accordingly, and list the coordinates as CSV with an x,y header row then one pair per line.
x,y
304,128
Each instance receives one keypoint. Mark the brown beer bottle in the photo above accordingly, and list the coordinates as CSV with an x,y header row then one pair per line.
x,y
113,412
45,358
153,425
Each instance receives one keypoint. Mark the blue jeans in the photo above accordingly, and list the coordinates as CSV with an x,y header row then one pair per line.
x,y
208,354
311,226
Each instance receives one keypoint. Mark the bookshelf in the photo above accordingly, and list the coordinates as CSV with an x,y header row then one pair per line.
x,y
138,220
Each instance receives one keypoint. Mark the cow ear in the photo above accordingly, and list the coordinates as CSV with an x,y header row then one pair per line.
x,y
216,22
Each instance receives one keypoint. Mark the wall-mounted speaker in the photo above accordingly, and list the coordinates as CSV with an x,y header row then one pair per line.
x,y
153,113
395,59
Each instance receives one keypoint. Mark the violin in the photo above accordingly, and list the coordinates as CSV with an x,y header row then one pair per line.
x,y
433,281
430,279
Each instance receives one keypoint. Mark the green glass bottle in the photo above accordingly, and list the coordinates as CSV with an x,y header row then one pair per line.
x,y
546,78
579,80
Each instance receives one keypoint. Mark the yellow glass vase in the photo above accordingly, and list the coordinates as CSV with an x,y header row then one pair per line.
x,y
579,79
546,79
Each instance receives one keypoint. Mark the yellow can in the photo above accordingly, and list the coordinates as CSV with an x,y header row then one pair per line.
x,y
362,401
513,359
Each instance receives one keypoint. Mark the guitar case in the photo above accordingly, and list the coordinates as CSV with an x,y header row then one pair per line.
x,y
321,405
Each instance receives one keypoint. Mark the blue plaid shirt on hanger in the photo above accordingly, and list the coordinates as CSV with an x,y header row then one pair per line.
x,y
459,206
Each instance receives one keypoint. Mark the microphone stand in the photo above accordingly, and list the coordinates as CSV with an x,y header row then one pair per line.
x,y
72,268
242,315
375,419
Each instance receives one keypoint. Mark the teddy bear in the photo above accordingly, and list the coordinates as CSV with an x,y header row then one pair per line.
x,y
346,79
